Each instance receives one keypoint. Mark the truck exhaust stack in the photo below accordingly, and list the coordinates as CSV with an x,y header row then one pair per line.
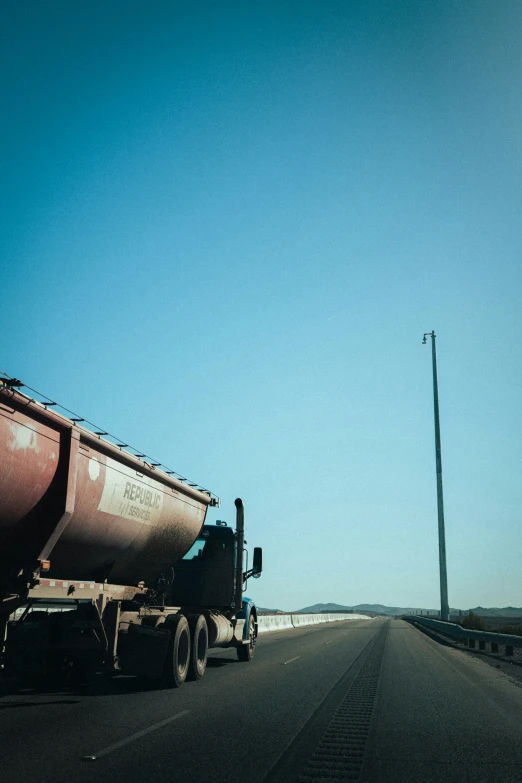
x,y
240,534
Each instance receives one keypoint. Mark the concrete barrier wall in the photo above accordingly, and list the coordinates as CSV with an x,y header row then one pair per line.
x,y
274,622
281,622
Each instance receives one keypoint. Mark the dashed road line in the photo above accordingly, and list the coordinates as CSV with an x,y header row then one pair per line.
x,y
137,735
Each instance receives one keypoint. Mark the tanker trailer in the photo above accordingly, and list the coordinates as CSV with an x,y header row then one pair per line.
x,y
106,560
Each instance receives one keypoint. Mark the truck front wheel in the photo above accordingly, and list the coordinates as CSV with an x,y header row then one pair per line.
x,y
177,660
198,654
246,651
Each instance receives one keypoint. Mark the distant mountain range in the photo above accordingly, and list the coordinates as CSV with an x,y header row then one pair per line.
x,y
374,608
506,611
272,611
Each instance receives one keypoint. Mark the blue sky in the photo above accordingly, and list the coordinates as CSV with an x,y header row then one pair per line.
x,y
229,224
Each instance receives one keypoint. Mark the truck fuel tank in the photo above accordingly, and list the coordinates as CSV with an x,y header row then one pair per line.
x,y
221,630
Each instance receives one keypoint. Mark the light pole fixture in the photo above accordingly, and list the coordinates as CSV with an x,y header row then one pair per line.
x,y
444,606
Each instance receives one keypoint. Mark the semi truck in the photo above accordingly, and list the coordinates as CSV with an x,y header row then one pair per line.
x,y
106,563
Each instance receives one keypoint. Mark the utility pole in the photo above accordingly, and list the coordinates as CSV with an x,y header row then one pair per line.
x,y
444,606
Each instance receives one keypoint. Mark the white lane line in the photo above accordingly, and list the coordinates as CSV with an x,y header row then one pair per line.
x,y
121,743
292,659
331,640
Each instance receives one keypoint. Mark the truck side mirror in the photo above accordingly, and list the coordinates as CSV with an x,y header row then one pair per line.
x,y
258,561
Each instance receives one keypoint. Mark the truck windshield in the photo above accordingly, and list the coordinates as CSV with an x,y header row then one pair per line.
x,y
196,549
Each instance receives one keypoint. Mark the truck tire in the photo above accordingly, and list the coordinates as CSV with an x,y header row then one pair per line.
x,y
177,660
199,649
245,652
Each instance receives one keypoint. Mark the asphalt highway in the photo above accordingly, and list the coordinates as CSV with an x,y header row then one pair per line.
x,y
367,700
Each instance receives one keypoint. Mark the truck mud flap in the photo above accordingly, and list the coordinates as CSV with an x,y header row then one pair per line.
x,y
142,650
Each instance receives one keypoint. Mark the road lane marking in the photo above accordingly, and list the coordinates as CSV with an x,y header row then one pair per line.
x,y
292,659
137,735
331,640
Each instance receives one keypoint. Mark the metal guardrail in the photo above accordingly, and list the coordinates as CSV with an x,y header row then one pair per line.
x,y
468,636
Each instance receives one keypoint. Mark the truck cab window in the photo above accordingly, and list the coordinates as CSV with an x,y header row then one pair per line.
x,y
196,550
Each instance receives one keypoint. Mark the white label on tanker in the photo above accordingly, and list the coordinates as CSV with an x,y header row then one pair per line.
x,y
129,496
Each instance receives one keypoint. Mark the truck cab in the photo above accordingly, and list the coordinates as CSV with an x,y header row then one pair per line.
x,y
215,564
206,575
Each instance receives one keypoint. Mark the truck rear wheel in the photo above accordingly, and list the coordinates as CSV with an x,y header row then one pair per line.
x,y
198,654
177,661
246,651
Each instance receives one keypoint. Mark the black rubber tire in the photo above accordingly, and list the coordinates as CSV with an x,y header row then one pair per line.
x,y
177,660
245,652
199,649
